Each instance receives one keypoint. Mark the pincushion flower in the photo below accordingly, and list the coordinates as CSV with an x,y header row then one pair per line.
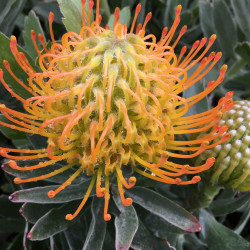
x,y
107,98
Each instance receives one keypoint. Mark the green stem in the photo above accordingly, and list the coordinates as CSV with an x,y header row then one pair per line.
x,y
206,195
236,68
105,6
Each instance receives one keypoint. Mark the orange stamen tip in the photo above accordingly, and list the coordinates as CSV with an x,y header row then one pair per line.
x,y
51,194
33,34
183,29
6,64
165,155
107,217
178,9
177,181
132,180
212,39
117,10
83,1
149,16
51,16
2,107
3,152
229,94
69,217
203,41
211,56
223,129
107,27
196,44
225,137
204,145
183,50
196,179
216,128
100,192
210,162
128,202
91,4
40,37
223,69
17,180
204,60
164,31
218,56
12,164
138,8
185,168
13,39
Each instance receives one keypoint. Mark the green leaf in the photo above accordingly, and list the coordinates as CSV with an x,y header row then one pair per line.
x,y
226,206
76,234
6,8
195,89
225,27
200,106
72,12
32,212
126,225
43,10
243,49
6,54
159,227
206,18
53,222
218,236
37,141
40,194
242,9
243,220
10,133
13,10
32,23
239,81
164,208
59,178
142,239
124,18
97,229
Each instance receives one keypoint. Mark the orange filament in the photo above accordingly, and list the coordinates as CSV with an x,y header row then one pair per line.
x,y
83,12
127,201
91,5
99,190
107,216
72,216
137,11
17,180
52,194
51,19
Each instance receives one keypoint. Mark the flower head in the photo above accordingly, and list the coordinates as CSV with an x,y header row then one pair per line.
x,y
106,98
232,168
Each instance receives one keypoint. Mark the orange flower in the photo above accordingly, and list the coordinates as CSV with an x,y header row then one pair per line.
x,y
107,98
